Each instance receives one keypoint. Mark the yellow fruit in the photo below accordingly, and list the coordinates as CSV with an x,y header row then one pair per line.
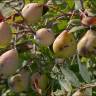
x,y
78,93
45,36
64,45
5,35
87,45
9,62
32,12
19,82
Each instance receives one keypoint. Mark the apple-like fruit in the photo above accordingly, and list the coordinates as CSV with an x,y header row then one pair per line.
x,y
34,82
43,81
79,93
89,21
45,36
87,44
9,62
19,82
64,45
32,12
39,82
5,34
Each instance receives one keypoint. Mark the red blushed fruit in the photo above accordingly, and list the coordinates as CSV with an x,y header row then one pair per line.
x,y
89,21
1,17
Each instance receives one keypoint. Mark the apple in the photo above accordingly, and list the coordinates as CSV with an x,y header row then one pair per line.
x,y
64,45
39,82
45,36
32,12
43,81
34,82
87,44
5,34
89,20
9,62
19,82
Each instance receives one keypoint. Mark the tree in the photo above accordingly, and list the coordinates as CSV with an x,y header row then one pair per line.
x,y
47,48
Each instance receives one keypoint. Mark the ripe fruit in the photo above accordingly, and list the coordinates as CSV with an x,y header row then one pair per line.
x,y
19,82
33,11
45,36
5,34
78,93
88,21
64,45
9,62
87,45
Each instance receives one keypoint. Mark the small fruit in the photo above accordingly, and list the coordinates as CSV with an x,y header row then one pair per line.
x,y
43,81
34,82
64,45
39,82
79,93
45,36
19,82
89,20
87,45
5,34
9,62
33,11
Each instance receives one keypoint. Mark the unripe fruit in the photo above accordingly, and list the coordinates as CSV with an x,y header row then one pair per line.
x,y
5,35
88,21
45,36
43,81
87,45
34,82
64,45
32,12
19,82
78,93
39,82
9,62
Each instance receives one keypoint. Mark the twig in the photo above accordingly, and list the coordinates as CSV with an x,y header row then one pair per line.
x,y
92,85
82,4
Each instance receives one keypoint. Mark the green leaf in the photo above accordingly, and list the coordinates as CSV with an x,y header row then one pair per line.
x,y
74,22
78,4
65,84
70,76
76,28
83,71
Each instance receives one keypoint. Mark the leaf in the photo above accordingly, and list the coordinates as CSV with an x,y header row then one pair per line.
x,y
65,84
62,24
83,71
77,28
78,4
74,22
88,91
70,3
71,77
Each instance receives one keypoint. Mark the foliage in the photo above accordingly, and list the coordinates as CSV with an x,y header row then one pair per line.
x,y
65,75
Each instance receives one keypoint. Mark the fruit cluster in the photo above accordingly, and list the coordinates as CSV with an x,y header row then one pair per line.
x,y
63,46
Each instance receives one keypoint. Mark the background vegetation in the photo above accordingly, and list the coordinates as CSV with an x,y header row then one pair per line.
x,y
65,75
